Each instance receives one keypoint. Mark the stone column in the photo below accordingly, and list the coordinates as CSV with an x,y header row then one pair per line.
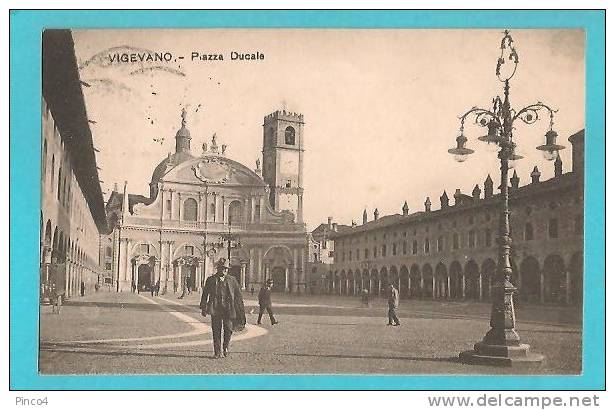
x,y
448,285
542,286
121,276
224,218
200,212
251,265
171,269
242,276
409,286
197,276
245,211
172,216
433,286
463,286
156,273
567,273
205,268
302,274
259,266
162,204
490,282
126,254
180,205
480,286
286,280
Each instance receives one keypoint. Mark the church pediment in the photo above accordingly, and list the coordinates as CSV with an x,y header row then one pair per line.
x,y
214,170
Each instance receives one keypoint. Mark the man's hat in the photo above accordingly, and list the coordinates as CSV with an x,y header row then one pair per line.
x,y
221,263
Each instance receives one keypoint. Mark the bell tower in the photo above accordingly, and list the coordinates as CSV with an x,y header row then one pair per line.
x,y
283,161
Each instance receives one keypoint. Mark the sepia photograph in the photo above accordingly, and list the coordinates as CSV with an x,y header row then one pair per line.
x,y
312,201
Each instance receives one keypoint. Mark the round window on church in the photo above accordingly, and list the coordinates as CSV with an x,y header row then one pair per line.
x,y
289,136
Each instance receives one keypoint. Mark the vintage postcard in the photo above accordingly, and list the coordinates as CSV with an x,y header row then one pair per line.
x,y
322,201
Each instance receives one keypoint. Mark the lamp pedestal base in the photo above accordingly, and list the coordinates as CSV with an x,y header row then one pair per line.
x,y
502,355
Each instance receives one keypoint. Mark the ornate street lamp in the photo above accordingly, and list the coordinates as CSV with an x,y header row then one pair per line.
x,y
501,345
231,239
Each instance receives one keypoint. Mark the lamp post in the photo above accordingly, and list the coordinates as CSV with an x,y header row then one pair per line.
x,y
501,345
231,239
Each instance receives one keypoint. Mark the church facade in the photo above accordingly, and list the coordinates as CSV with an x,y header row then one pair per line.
x,y
206,206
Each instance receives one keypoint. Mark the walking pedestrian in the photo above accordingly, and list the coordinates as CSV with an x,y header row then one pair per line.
x,y
393,304
56,299
157,287
222,300
82,289
365,297
264,303
152,288
252,290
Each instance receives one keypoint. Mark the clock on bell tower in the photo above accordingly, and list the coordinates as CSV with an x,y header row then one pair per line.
x,y
283,161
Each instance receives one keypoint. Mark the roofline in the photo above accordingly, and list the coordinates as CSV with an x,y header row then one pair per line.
x,y
565,181
63,95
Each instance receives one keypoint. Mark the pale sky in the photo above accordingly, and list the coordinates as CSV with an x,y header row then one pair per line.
x,y
381,106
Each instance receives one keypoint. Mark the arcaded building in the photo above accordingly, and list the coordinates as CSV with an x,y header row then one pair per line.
x,y
197,200
72,207
450,253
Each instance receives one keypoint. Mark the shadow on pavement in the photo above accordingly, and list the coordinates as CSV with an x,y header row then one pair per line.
x,y
192,355
149,307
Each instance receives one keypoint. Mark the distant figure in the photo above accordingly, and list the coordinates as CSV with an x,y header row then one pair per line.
x,y
134,287
82,289
152,288
264,303
56,299
157,287
365,297
393,304
222,299
174,287
252,290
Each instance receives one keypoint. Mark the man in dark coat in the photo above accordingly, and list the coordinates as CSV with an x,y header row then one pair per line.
x,y
393,304
264,302
222,300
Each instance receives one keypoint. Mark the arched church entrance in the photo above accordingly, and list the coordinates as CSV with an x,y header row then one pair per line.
x,y
278,266
143,272
184,274
279,279
144,279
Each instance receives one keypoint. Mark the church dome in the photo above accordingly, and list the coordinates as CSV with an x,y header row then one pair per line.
x,y
183,132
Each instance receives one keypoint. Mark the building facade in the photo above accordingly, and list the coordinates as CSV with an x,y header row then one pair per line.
x,y
72,207
200,204
451,253
321,251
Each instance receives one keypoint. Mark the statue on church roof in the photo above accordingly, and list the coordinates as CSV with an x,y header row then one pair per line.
x,y
214,144
184,113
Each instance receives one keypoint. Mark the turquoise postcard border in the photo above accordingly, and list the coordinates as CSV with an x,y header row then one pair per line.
x,y
25,105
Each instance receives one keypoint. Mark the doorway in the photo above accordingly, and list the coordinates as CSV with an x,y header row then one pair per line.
x,y
279,279
144,279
